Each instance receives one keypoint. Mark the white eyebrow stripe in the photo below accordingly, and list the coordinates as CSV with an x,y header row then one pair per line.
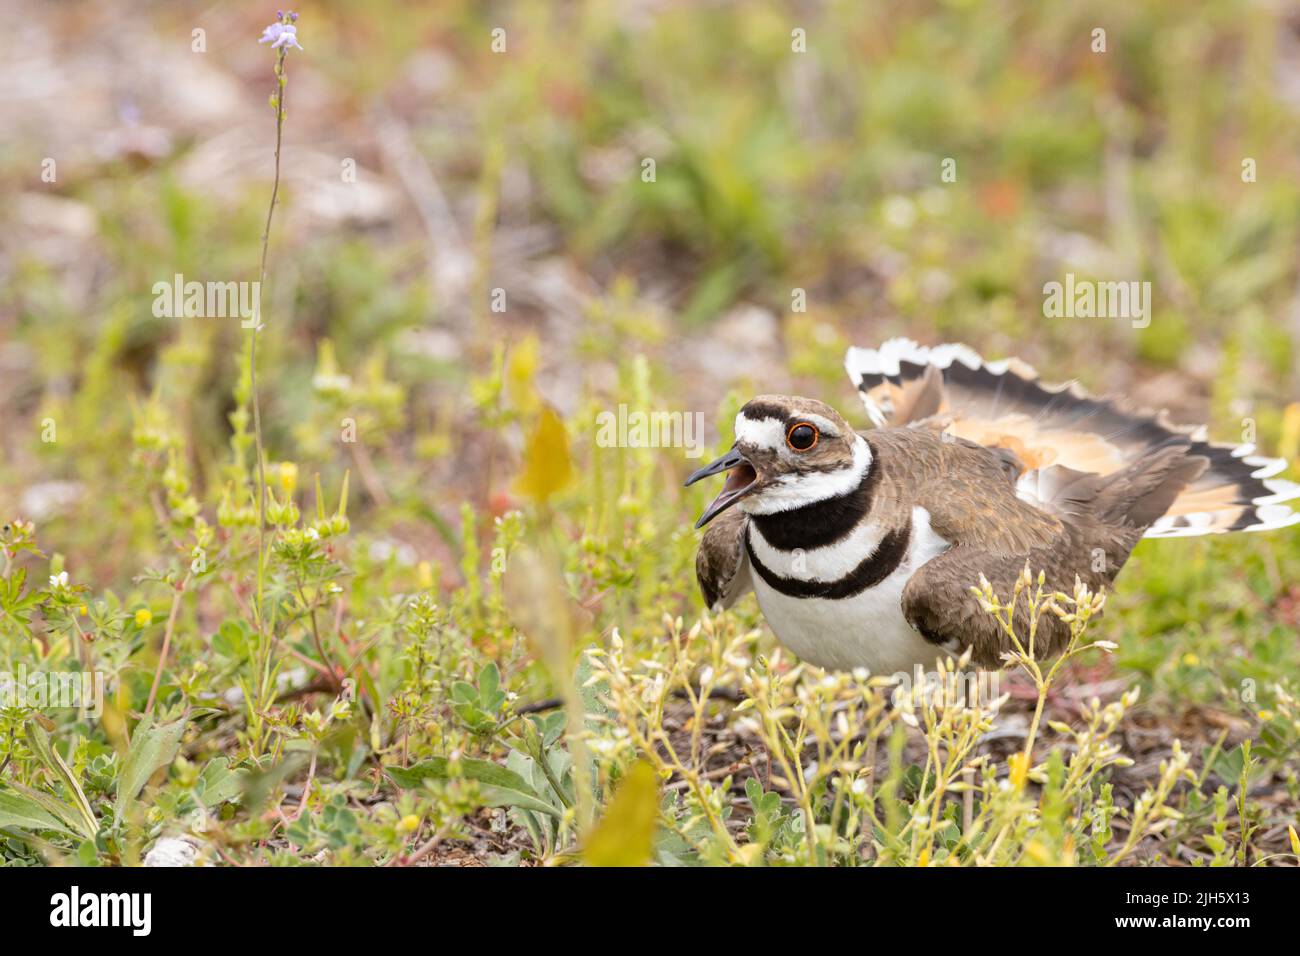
x,y
824,425
763,432
770,433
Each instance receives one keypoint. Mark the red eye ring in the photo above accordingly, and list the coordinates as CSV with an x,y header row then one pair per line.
x,y
803,436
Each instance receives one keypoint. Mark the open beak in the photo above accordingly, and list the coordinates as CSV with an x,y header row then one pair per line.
x,y
740,483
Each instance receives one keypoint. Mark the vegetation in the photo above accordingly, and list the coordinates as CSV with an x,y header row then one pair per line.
x,y
458,628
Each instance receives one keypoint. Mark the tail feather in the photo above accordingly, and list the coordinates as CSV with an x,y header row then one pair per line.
x,y
1004,405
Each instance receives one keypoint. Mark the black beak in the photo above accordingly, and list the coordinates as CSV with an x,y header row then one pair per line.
x,y
740,482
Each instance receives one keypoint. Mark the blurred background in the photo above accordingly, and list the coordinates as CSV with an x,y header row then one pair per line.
x,y
444,157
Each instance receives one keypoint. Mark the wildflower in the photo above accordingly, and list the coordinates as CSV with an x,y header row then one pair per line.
x,y
143,617
282,33
288,476
1018,765
409,823
59,580
1190,659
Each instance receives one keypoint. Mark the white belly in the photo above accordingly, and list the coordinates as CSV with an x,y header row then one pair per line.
x,y
865,630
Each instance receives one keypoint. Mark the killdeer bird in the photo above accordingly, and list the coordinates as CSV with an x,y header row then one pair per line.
x,y
862,548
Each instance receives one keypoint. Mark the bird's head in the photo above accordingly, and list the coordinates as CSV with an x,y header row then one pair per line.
x,y
789,452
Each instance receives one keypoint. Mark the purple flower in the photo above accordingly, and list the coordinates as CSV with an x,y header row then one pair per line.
x,y
280,34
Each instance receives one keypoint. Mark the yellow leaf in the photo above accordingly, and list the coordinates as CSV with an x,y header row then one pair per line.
x,y
547,466
521,367
1288,446
625,834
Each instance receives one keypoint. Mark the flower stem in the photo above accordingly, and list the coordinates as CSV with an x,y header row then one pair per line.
x,y
252,352
166,645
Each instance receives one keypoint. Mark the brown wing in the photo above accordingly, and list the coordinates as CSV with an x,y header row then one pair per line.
x,y
721,564
1084,527
938,601
968,490
1004,405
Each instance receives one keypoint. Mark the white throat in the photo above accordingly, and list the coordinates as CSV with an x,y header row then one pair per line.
x,y
796,490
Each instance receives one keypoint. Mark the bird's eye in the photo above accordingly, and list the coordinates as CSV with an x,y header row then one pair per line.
x,y
801,437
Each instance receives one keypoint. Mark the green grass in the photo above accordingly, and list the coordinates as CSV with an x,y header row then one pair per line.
x,y
416,688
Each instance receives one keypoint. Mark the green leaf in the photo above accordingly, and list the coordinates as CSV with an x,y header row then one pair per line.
x,y
489,679
51,804
25,813
590,693
500,787
40,743
152,748
218,783
625,834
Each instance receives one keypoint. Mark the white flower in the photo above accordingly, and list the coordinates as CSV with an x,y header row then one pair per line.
x,y
281,34
59,580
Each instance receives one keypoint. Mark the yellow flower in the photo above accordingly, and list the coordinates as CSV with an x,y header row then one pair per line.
x,y
409,823
424,573
288,476
1295,840
1018,765
81,609
143,617
1190,659
1265,715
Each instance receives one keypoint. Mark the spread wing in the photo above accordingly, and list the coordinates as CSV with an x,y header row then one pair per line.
x,y
1079,525
721,564
1003,405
